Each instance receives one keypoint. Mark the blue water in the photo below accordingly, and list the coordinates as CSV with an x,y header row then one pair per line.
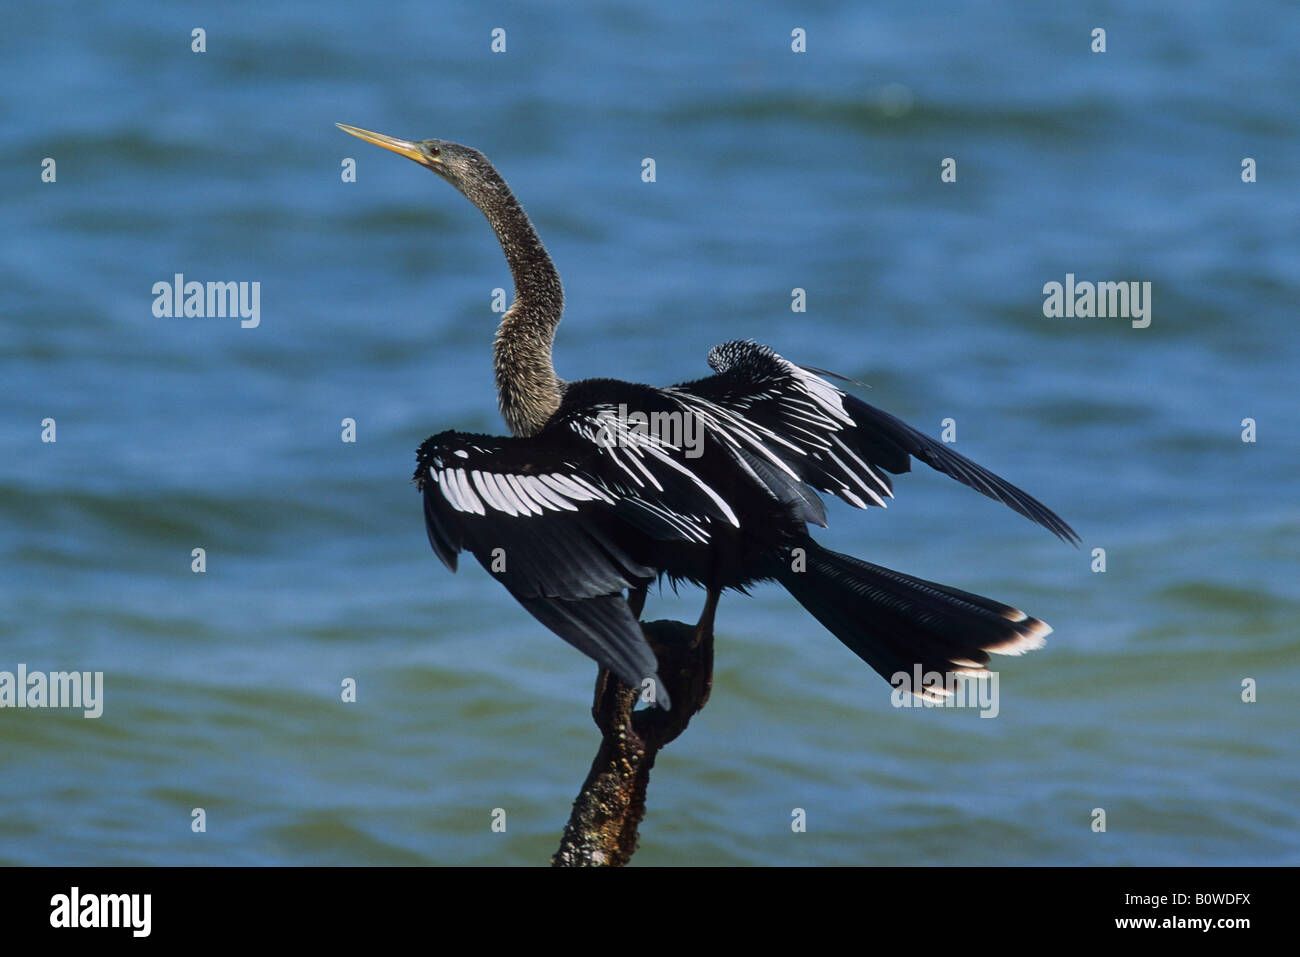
x,y
774,170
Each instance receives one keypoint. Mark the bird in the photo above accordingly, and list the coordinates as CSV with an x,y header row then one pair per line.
x,y
583,505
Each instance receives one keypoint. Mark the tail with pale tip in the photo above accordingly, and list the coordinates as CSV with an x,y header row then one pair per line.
x,y
896,623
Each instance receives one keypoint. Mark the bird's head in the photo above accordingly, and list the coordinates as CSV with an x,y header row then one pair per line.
x,y
462,166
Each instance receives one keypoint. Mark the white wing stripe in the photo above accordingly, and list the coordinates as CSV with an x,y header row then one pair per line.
x,y
447,485
567,487
467,494
517,487
582,483
609,450
875,477
512,505
857,478
489,490
543,492
821,391
718,500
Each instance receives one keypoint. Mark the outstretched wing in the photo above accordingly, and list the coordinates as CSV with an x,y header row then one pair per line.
x,y
836,442
539,518
571,517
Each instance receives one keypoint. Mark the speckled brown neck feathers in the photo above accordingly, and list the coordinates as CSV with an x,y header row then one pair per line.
x,y
528,390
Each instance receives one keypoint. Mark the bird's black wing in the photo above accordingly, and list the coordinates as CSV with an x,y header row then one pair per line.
x,y
836,442
537,519
557,518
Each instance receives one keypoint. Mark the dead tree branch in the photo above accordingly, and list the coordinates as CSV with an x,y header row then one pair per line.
x,y
602,830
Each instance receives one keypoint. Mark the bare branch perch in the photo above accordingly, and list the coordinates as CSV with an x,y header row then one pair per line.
x,y
602,830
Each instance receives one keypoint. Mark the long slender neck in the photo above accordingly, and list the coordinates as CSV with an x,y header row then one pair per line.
x,y
528,391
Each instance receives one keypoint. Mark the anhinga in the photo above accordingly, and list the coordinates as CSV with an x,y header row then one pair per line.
x,y
587,507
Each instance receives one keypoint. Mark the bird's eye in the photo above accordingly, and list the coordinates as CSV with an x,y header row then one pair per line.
x,y
434,150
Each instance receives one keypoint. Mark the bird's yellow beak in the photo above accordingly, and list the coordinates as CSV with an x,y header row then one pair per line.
x,y
405,148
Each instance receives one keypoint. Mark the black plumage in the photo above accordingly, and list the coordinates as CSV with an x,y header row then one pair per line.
x,y
585,505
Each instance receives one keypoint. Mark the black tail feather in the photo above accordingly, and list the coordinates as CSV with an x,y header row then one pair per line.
x,y
895,622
